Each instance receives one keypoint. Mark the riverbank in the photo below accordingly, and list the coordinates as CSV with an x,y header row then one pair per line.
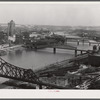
x,y
18,84
50,69
70,78
6,49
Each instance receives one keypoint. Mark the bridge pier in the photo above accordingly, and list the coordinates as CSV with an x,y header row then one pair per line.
x,y
81,52
89,43
75,52
78,42
54,50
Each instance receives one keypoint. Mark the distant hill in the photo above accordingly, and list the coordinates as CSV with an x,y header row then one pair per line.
x,y
67,28
74,30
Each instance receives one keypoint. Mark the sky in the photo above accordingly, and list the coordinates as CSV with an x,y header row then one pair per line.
x,y
55,13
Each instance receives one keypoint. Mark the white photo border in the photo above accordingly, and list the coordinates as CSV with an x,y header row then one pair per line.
x,y
49,94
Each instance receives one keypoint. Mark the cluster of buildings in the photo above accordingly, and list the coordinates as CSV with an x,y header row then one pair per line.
x,y
13,36
37,35
32,34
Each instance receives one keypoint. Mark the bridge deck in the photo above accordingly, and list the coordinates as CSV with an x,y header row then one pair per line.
x,y
8,70
68,47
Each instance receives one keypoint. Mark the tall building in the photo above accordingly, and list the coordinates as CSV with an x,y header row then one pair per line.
x,y
11,32
11,28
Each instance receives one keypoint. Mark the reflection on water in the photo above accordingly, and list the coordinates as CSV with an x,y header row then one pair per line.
x,y
37,59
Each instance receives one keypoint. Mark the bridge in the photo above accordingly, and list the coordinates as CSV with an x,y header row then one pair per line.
x,y
56,46
11,30
8,70
11,71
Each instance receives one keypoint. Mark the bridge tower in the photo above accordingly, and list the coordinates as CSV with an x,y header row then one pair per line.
x,y
11,31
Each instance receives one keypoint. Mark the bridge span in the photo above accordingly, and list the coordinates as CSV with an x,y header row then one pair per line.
x,y
8,70
56,46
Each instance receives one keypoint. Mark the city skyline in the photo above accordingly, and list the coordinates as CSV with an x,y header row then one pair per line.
x,y
47,13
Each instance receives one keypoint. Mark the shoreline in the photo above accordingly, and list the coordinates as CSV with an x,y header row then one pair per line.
x,y
51,66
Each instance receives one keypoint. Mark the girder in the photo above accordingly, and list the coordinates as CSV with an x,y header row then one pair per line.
x,y
11,71
8,70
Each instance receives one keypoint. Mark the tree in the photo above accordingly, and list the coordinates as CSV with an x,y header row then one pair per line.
x,y
3,37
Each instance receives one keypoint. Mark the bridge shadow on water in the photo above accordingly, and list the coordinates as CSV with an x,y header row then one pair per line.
x,y
50,51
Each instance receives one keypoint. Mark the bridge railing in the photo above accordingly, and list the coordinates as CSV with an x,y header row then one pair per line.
x,y
8,70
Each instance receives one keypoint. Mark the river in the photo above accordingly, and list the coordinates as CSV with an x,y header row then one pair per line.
x,y
40,58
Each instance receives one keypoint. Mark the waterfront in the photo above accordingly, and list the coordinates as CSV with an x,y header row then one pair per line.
x,y
37,59
40,58
30,59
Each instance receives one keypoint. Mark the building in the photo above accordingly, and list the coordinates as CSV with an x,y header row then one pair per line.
x,y
11,28
11,32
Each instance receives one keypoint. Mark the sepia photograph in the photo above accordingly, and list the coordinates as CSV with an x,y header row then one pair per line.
x,y
50,45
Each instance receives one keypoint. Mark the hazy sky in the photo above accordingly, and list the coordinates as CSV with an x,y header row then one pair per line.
x,y
73,14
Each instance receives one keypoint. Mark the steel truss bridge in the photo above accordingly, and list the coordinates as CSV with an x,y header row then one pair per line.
x,y
8,70
11,71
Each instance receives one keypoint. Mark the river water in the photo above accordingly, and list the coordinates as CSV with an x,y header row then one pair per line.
x,y
40,58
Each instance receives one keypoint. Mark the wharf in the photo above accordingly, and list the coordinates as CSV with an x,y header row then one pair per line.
x,y
11,48
6,49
